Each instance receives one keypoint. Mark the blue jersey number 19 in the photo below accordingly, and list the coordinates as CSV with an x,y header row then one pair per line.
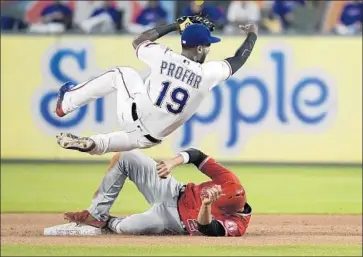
x,y
179,97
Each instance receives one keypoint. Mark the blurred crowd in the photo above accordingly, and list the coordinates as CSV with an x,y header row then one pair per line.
x,y
280,16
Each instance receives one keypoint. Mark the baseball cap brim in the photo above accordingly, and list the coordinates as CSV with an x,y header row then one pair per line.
x,y
213,40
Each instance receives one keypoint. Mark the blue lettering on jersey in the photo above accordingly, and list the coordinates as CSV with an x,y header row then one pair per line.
x,y
180,73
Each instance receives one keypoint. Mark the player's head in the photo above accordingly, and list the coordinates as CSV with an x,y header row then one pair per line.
x,y
233,198
196,40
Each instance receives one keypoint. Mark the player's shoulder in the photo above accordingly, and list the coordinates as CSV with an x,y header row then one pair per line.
x,y
149,50
155,46
212,65
209,68
216,70
234,225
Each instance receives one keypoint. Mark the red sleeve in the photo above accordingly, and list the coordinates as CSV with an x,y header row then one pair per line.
x,y
217,172
235,225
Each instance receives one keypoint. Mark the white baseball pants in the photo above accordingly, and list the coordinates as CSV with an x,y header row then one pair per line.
x,y
128,86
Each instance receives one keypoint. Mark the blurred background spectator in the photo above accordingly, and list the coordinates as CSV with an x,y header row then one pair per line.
x,y
55,18
105,19
151,15
214,13
350,21
241,12
111,16
284,10
9,23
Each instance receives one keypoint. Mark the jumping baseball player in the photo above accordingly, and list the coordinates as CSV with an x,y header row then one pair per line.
x,y
213,208
177,85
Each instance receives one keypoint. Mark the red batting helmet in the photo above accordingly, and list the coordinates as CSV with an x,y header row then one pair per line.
x,y
233,198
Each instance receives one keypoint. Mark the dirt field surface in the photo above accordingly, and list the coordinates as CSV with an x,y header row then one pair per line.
x,y
264,229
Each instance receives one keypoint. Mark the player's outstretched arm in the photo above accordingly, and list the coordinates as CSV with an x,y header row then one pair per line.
x,y
179,25
188,156
164,168
244,51
203,162
208,166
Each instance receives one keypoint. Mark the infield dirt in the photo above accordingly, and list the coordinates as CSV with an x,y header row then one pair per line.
x,y
263,230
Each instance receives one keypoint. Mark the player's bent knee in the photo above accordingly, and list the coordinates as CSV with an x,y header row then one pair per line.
x,y
129,156
129,71
114,160
130,160
126,72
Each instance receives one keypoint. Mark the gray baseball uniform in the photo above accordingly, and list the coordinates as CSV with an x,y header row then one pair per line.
x,y
161,194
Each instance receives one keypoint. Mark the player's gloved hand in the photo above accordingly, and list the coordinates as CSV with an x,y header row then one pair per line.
x,y
210,195
163,169
251,27
185,21
205,21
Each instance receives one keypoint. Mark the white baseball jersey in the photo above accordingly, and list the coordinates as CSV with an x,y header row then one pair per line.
x,y
175,87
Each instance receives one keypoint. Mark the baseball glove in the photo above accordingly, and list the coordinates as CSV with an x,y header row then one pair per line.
x,y
185,21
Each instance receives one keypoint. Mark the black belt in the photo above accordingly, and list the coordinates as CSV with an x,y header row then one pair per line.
x,y
181,192
135,117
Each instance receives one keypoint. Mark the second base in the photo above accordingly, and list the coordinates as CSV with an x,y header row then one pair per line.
x,y
72,229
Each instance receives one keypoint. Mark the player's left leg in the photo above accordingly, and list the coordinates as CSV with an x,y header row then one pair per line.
x,y
163,217
124,80
128,84
141,169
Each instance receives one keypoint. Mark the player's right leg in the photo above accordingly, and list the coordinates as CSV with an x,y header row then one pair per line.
x,y
117,141
99,144
124,80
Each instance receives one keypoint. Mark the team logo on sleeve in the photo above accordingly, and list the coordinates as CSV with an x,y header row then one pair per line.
x,y
193,225
230,226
